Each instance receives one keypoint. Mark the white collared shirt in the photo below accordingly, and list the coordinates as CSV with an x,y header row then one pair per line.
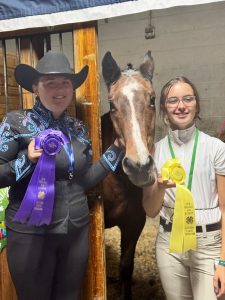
x,y
210,160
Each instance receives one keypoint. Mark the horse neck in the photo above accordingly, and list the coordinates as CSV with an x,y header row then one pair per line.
x,y
108,132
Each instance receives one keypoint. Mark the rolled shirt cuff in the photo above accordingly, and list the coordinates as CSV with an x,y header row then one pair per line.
x,y
21,166
112,157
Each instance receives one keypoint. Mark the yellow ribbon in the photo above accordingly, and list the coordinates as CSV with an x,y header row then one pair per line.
x,y
172,170
183,235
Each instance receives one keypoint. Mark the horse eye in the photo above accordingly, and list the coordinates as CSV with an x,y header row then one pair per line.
x,y
112,106
152,101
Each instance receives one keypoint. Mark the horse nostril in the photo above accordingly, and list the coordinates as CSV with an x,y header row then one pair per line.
x,y
129,164
152,179
149,162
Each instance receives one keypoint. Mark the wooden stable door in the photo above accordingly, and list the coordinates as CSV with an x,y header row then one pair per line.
x,y
87,100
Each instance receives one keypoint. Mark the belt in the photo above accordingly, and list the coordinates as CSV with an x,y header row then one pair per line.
x,y
199,228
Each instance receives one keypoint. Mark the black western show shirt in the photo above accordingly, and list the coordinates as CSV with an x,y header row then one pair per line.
x,y
70,204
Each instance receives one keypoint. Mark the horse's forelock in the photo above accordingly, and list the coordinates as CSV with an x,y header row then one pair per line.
x,y
130,72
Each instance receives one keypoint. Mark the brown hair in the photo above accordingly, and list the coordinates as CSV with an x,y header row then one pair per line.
x,y
165,91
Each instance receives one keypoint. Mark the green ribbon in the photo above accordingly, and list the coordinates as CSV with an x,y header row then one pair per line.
x,y
192,159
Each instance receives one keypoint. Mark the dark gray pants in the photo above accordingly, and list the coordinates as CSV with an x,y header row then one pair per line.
x,y
50,266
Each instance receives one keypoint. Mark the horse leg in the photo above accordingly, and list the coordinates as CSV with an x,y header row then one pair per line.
x,y
129,240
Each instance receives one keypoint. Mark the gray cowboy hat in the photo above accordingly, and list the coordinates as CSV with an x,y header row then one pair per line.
x,y
52,63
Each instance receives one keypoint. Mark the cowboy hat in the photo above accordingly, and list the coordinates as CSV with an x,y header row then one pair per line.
x,y
52,63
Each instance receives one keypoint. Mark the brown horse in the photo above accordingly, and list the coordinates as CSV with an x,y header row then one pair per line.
x,y
132,111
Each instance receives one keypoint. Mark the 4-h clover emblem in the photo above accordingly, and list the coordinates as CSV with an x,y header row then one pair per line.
x,y
189,220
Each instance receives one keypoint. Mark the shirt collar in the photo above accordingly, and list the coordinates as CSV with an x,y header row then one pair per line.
x,y
182,136
47,116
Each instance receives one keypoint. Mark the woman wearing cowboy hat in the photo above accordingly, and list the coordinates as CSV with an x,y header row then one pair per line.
x,y
46,158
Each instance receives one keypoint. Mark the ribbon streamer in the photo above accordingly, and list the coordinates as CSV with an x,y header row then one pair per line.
x,y
37,205
183,235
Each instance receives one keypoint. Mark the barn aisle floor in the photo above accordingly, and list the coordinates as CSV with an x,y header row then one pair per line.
x,y
146,285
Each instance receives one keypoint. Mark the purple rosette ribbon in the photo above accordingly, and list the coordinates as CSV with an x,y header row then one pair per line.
x,y
37,205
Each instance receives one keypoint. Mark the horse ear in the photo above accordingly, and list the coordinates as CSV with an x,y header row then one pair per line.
x,y
110,70
147,67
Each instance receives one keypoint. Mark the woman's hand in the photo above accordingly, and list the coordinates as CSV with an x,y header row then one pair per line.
x,y
153,196
166,184
219,281
33,154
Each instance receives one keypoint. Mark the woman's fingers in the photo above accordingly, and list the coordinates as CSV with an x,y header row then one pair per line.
x,y
166,183
33,154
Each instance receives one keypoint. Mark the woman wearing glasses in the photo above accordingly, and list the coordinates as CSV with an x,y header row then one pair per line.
x,y
196,272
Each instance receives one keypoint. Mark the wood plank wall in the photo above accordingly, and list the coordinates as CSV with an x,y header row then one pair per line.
x,y
9,93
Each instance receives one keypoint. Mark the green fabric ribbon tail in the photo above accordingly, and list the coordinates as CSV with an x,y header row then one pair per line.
x,y
3,204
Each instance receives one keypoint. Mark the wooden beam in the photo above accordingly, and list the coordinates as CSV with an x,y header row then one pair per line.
x,y
87,101
7,290
35,31
26,58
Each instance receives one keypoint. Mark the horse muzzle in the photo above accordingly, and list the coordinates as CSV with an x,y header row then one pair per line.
x,y
139,174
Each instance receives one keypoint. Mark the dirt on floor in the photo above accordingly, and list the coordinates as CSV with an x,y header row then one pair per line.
x,y
146,282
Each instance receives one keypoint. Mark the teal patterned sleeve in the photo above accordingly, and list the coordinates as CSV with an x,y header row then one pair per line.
x,y
112,157
14,163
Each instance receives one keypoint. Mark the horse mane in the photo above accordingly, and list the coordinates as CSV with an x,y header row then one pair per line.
x,y
129,71
107,131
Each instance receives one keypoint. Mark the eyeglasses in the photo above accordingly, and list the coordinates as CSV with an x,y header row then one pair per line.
x,y
174,101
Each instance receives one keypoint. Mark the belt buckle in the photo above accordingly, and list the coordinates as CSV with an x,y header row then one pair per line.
x,y
204,231
166,224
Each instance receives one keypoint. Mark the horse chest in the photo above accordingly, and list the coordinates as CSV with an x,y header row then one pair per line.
x,y
121,199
